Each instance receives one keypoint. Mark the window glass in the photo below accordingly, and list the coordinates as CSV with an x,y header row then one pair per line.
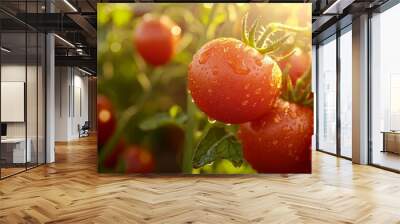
x,y
346,93
327,96
385,78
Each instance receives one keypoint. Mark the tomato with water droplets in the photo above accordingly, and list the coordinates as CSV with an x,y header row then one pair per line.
x,y
299,62
280,141
136,159
106,120
111,159
232,82
156,39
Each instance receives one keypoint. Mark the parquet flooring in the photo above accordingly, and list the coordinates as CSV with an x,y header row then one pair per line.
x,y
71,191
10,171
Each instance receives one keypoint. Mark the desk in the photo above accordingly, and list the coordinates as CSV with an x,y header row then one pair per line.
x,y
391,141
15,148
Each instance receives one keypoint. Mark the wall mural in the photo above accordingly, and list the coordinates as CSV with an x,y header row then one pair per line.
x,y
203,88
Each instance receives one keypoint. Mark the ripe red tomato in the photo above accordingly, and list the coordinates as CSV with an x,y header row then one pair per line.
x,y
112,158
232,82
279,142
106,121
299,61
156,38
137,160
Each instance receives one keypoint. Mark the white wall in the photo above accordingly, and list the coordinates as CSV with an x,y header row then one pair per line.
x,y
62,81
71,94
33,127
15,73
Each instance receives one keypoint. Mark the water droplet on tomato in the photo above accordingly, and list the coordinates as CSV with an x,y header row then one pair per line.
x,y
244,103
275,142
258,91
209,90
204,56
238,68
259,62
246,86
212,121
277,119
292,114
215,71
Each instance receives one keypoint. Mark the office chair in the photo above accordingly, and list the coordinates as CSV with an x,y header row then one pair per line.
x,y
84,130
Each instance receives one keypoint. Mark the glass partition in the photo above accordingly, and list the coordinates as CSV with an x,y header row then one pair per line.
x,y
14,151
22,78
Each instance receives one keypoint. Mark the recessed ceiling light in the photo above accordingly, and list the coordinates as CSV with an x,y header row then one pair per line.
x,y
337,7
5,50
70,5
84,71
65,41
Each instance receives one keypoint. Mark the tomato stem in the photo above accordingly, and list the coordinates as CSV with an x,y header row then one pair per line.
x,y
189,136
191,124
252,33
126,116
301,92
284,57
263,39
263,42
283,27
245,37
274,45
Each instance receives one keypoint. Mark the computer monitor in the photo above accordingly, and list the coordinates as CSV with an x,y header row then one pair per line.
x,y
3,129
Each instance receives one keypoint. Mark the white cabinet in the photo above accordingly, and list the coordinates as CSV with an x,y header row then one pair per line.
x,y
17,145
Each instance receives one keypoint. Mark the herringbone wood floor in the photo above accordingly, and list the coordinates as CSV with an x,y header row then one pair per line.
x,y
71,191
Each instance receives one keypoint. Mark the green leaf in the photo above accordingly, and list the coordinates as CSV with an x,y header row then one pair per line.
x,y
232,128
245,34
218,144
252,33
122,14
162,119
